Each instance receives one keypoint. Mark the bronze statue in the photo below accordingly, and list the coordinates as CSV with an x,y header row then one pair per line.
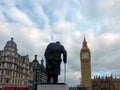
x,y
53,60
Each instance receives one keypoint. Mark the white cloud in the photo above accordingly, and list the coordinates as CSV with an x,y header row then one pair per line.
x,y
19,16
98,20
64,27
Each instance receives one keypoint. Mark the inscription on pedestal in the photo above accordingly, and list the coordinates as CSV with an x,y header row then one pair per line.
x,y
53,87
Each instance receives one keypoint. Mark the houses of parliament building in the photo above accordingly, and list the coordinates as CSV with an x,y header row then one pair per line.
x,y
97,83
17,70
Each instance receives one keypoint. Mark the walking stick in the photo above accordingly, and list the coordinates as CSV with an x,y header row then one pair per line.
x,y
64,73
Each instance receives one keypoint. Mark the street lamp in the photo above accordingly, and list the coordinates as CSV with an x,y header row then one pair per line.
x,y
35,81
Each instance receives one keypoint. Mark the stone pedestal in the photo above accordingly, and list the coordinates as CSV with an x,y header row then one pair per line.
x,y
52,87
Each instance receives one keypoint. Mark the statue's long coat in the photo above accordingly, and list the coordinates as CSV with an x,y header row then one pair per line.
x,y
53,58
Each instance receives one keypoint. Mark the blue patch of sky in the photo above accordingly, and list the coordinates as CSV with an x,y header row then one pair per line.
x,y
102,73
75,15
71,15
74,11
2,3
89,9
85,24
98,28
8,18
24,5
51,17
28,8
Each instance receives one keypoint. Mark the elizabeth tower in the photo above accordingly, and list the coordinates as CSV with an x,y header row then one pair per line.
x,y
85,58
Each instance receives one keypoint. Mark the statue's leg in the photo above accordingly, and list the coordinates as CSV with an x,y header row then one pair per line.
x,y
48,78
55,79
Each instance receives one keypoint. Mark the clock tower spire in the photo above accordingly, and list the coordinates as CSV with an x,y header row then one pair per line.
x,y
85,58
85,47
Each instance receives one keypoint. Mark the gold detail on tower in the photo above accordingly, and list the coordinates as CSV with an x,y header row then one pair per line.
x,y
85,58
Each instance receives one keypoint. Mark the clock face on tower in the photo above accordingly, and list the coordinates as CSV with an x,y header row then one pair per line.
x,y
85,55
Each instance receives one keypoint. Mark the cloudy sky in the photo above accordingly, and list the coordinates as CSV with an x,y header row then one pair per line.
x,y
35,23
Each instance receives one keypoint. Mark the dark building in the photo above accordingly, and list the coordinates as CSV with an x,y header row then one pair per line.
x,y
39,72
106,83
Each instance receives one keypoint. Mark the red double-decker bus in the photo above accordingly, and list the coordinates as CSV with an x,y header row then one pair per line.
x,y
16,88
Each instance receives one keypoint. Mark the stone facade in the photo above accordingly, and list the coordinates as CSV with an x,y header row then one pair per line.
x,y
98,83
85,58
39,71
14,68
106,83
17,70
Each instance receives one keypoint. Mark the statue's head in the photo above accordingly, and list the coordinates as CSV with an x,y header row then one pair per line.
x,y
58,42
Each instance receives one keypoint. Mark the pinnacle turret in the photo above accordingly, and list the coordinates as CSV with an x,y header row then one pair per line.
x,y
85,47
